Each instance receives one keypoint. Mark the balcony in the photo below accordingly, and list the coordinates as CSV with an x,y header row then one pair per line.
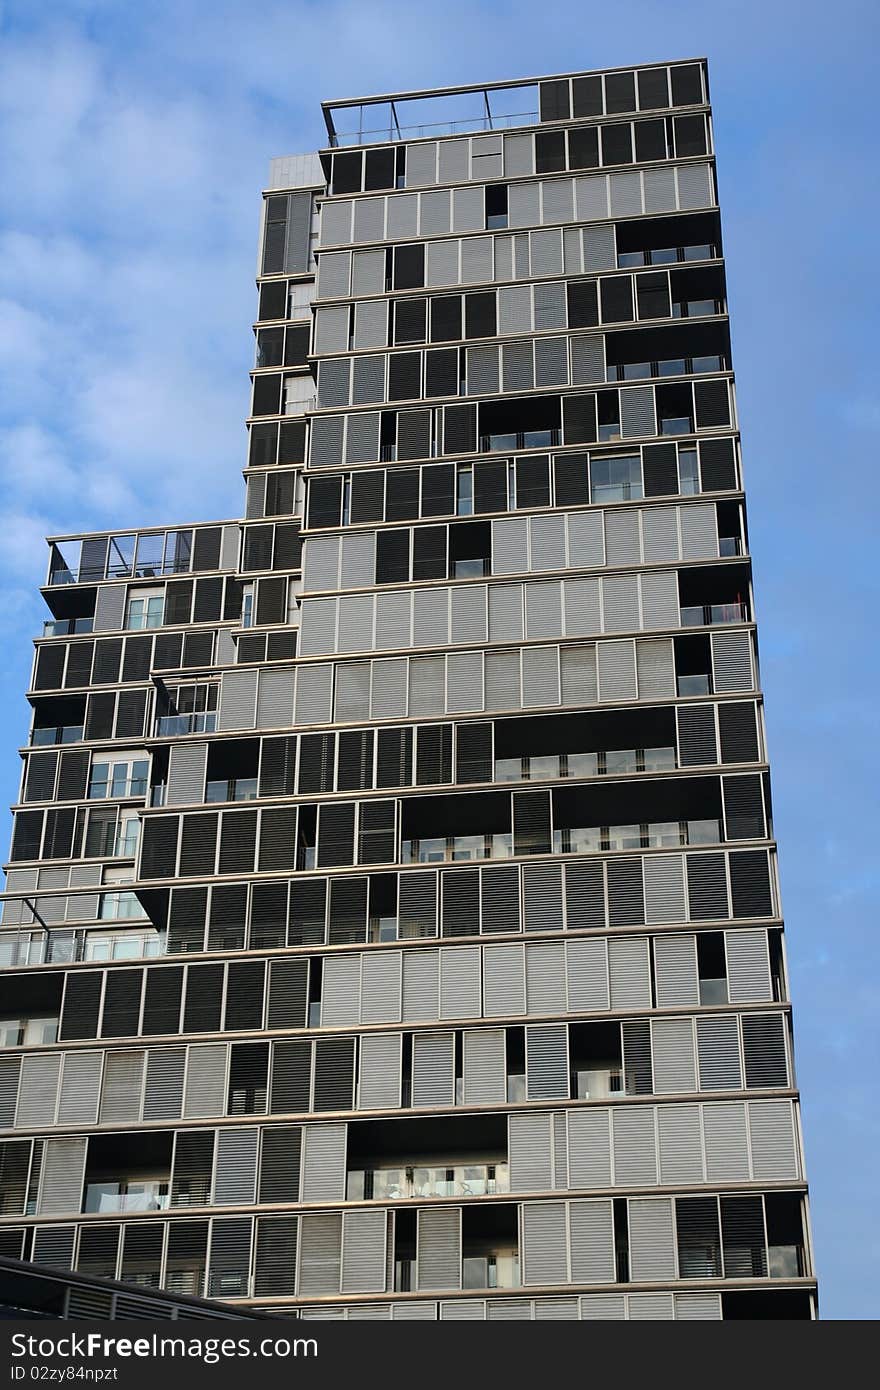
x,y
60,733
28,1032
499,1270
714,614
446,849
37,947
523,439
399,1184
67,627
232,789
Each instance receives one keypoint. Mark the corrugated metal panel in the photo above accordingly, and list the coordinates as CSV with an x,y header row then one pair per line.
x,y
546,252
675,965
402,215
63,1175
748,966
673,1055
530,1152
591,1237
416,911
540,677
773,1141
433,1070
369,219
370,331
380,1071
439,1248
503,981
650,1307
441,263
484,1066
726,1142
681,1144
620,603
659,190
333,274
163,1092
324,1162
547,1062
587,972
544,1254
363,1251
718,1050
617,674
651,1239
697,1307
589,1148
548,537
236,1180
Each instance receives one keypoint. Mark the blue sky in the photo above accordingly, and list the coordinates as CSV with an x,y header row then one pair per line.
x,y
134,140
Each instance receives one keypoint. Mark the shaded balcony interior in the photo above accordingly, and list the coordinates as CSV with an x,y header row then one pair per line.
x,y
232,770
530,422
585,819
678,350
668,240
712,595
125,1177
460,551
609,743
72,609
186,709
456,1156
58,719
30,1009
489,1248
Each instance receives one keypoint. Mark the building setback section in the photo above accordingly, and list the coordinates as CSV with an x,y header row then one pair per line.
x,y
392,925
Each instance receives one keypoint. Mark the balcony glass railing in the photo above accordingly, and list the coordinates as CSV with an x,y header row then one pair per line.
x,y
709,614
127,1197
28,1032
66,627
609,763
598,1083
596,839
523,439
63,733
38,947
397,1184
695,685
201,722
786,1261
233,789
499,1271
445,849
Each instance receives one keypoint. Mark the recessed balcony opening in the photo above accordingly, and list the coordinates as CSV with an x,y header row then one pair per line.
x,y
232,770
597,1071
490,1246
73,610
58,720
470,549
126,1177
382,908
668,240
675,409
30,1007
786,1258
459,1156
693,665
791,1305
667,352
577,746
436,829
697,293
626,816
531,423
712,967
714,595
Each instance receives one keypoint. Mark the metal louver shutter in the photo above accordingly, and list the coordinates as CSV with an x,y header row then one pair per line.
x,y
743,807
163,1091
205,1089
545,978
718,1052
417,905
591,1242
320,1241
764,1050
363,1251
696,735
531,823
707,887
288,983
652,1254
675,966
739,736
123,1085
629,972
587,975
589,1148
381,987
547,1062
275,1259
238,693
748,967
731,662
626,895
680,1143
230,1262
500,898
544,1253
280,1164
617,677
433,1070
460,982
584,896
61,1181
334,1074
664,888
750,884
634,1146
53,1246
773,1139
421,986
186,774
82,1002
484,1066
291,1077
673,1055
236,1180
542,897
530,1152
380,1071
726,1142
461,902
323,1162
80,1088
743,1238
503,981
438,1248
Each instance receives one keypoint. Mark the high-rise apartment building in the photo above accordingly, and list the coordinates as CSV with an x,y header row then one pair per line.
x,y
392,925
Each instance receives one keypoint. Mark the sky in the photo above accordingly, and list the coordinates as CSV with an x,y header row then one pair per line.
x,y
134,141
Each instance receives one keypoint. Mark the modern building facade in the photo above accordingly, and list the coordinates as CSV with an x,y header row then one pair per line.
x,y
392,926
